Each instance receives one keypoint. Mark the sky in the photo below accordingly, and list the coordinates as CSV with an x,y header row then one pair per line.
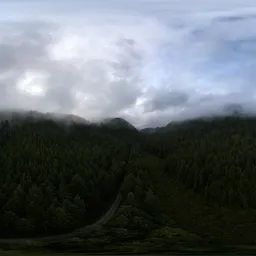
x,y
148,61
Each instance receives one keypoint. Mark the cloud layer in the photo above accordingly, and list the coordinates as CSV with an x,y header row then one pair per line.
x,y
147,61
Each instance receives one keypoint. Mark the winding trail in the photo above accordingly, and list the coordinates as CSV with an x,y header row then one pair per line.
x,y
104,219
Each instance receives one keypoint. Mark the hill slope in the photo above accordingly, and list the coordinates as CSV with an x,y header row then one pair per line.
x,y
54,180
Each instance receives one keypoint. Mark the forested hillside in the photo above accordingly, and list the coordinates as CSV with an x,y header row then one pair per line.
x,y
184,185
56,178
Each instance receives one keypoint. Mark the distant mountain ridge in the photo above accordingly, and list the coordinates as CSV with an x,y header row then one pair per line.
x,y
15,116
229,110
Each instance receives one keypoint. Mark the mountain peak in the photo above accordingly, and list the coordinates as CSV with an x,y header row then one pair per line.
x,y
118,122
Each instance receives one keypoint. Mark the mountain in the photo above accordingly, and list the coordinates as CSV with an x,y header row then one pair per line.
x,y
149,130
67,118
230,110
167,128
22,115
17,116
55,180
117,123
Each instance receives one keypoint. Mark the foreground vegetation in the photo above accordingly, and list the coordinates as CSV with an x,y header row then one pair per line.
x,y
189,186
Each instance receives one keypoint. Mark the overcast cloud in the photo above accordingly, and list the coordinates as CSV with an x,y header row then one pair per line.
x,y
149,62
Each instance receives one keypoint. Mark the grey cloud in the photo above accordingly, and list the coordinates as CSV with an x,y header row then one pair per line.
x,y
234,18
26,48
21,47
165,99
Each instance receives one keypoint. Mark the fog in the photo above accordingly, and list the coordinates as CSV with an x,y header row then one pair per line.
x,y
150,62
